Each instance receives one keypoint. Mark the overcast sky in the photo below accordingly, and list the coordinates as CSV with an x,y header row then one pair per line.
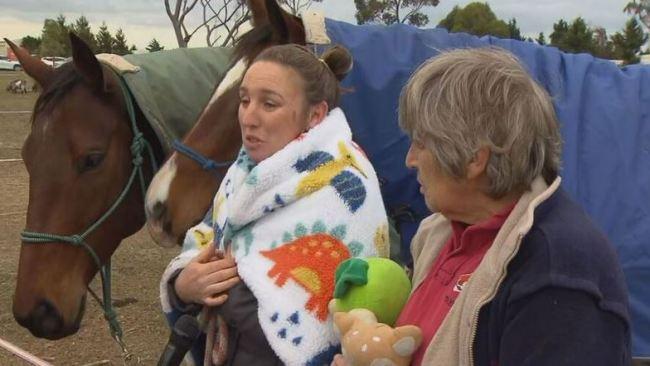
x,y
143,20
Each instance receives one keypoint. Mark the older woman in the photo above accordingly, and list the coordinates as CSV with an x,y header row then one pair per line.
x,y
300,199
509,271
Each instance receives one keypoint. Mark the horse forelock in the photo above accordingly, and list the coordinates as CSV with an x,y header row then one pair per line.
x,y
64,80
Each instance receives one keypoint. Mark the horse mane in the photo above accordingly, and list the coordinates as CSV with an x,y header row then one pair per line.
x,y
64,80
253,41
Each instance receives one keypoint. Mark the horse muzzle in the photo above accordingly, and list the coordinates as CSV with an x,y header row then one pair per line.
x,y
46,321
159,226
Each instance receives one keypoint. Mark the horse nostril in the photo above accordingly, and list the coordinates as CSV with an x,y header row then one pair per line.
x,y
158,211
167,226
46,322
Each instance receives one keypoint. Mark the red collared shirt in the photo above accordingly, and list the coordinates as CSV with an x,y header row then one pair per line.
x,y
453,267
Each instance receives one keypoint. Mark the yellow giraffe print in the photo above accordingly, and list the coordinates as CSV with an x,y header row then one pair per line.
x,y
324,174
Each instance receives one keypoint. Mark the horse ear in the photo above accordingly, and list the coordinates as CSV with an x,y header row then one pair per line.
x,y
276,18
86,63
258,10
34,67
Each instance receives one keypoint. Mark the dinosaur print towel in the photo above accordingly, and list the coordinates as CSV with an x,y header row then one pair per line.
x,y
290,220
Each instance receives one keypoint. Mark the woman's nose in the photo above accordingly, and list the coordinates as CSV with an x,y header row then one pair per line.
x,y
248,116
411,159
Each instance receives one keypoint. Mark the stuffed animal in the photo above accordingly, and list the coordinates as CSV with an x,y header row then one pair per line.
x,y
369,294
367,343
377,284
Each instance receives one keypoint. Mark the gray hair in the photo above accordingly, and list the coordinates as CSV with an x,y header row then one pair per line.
x,y
466,99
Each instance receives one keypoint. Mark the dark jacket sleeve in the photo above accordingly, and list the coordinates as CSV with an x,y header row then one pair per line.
x,y
559,326
175,301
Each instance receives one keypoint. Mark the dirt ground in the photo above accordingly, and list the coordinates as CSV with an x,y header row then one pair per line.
x,y
137,266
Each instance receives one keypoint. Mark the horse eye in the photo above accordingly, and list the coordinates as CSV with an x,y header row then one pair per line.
x,y
90,161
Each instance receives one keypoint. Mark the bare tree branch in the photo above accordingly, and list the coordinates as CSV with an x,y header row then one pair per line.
x,y
228,18
297,6
219,18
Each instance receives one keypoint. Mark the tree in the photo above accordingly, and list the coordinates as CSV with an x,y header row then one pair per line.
x,y
297,6
560,30
580,37
177,17
602,46
31,44
82,29
477,19
574,38
104,40
222,26
119,43
221,22
640,9
54,38
513,30
541,39
393,11
154,46
628,44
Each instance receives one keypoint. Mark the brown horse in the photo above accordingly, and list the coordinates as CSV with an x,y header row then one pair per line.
x,y
182,191
78,156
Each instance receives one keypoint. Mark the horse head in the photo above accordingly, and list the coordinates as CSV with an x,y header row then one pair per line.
x,y
181,192
78,156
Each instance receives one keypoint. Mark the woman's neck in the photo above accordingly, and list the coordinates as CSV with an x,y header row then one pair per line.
x,y
481,207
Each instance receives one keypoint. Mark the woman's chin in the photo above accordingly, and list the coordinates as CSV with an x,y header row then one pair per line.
x,y
255,154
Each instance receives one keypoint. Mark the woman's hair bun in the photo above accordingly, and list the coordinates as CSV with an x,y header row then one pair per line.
x,y
339,61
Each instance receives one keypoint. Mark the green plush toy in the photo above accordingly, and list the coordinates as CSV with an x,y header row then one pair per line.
x,y
377,284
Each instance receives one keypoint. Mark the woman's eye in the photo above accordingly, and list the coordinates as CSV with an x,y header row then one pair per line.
x,y
418,145
90,161
270,104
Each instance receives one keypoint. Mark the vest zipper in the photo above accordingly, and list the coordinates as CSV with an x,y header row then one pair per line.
x,y
488,299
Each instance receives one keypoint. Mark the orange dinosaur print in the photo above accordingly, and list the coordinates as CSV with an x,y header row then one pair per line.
x,y
311,261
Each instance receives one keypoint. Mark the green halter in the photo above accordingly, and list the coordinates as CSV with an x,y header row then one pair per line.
x,y
138,144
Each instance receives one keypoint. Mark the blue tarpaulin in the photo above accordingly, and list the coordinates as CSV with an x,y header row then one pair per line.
x,y
604,112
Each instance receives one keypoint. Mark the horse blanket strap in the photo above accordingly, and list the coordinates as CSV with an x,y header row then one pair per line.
x,y
205,163
138,145
287,251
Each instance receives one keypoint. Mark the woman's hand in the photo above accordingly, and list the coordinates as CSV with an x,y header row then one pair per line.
x,y
206,278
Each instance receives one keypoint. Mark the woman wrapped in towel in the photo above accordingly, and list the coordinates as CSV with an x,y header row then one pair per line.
x,y
301,198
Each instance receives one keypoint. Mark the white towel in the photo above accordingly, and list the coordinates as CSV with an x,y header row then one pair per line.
x,y
291,219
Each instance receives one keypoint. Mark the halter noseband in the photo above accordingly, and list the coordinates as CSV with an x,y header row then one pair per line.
x,y
206,163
